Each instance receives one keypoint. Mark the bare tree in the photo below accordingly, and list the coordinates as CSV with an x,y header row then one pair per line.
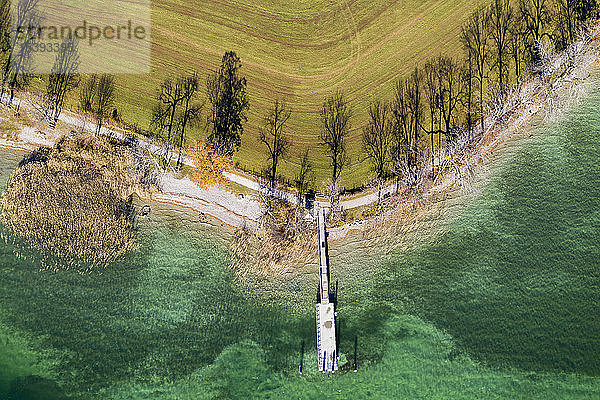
x,y
443,87
569,16
63,78
474,36
4,28
565,19
376,139
517,44
274,137
500,19
432,94
467,100
17,68
87,94
305,176
400,128
105,97
406,127
535,15
169,96
335,122
451,89
227,95
415,107
191,112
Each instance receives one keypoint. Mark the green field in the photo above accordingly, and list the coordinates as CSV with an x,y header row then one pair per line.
x,y
300,52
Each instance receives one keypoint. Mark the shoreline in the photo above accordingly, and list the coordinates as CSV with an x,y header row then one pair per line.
x,y
521,120
220,204
241,212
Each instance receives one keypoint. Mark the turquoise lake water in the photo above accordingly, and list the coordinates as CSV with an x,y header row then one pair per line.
x,y
504,303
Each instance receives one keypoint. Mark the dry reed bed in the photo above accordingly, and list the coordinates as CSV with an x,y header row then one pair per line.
x,y
74,201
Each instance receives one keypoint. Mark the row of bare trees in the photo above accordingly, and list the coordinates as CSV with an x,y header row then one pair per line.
x,y
447,97
17,69
428,110
177,109
97,93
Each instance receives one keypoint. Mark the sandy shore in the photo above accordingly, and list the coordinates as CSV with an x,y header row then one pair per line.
x,y
225,206
234,210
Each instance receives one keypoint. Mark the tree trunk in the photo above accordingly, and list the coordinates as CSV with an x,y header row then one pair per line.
x,y
171,118
481,104
179,158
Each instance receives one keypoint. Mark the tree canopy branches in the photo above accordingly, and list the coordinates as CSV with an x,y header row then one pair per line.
x,y
191,113
274,137
400,128
305,175
500,19
535,16
175,111
209,165
96,97
376,139
63,78
17,68
335,122
437,98
163,120
105,96
474,36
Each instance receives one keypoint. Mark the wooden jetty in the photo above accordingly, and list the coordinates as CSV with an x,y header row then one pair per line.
x,y
325,310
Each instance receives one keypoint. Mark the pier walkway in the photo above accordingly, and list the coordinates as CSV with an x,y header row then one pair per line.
x,y
325,310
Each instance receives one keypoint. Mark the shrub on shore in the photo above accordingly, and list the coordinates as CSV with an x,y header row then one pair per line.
x,y
74,200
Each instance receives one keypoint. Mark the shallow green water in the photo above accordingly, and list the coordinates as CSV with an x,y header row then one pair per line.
x,y
158,315
504,304
516,280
